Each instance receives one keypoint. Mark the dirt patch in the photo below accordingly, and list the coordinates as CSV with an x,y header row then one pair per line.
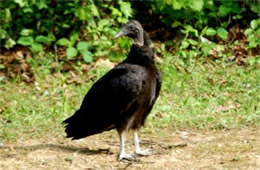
x,y
187,149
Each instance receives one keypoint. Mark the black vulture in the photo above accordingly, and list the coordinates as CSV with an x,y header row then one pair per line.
x,y
123,97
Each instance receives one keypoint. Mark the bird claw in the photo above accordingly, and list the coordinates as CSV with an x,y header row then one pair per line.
x,y
145,152
128,158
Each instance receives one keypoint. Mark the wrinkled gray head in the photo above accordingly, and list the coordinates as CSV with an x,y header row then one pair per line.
x,y
134,30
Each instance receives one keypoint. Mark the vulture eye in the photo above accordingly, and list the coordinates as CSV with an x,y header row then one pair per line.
x,y
131,27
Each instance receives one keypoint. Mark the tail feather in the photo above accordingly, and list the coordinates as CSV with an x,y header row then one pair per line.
x,y
78,126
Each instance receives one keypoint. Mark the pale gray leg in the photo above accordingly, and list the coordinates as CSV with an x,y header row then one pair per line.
x,y
122,154
138,151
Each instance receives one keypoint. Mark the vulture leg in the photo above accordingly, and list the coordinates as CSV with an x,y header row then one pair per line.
x,y
138,151
122,154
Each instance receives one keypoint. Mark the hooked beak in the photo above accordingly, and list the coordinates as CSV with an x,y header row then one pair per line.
x,y
123,32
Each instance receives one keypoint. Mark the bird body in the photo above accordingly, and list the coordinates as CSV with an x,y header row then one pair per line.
x,y
121,99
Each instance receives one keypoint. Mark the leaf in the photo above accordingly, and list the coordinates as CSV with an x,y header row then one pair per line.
x,y
63,42
71,52
25,40
252,44
7,15
82,45
160,4
176,4
254,23
9,43
223,11
176,24
126,9
94,10
203,31
3,34
192,42
20,2
41,4
80,12
26,32
87,56
73,38
43,39
102,23
211,32
197,5
222,33
36,47
185,44
248,31
189,29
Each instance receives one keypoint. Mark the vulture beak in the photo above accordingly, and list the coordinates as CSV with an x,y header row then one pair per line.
x,y
123,32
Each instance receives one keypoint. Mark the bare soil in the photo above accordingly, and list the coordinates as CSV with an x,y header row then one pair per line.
x,y
182,149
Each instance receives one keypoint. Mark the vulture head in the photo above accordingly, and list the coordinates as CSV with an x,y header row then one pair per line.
x,y
134,30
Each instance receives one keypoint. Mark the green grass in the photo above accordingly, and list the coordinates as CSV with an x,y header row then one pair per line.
x,y
202,97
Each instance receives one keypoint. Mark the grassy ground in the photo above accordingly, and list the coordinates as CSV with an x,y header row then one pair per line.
x,y
207,117
205,96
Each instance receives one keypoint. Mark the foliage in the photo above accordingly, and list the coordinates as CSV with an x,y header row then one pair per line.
x,y
81,27
51,25
200,20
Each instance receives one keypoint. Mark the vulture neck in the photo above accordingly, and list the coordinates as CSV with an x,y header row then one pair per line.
x,y
141,55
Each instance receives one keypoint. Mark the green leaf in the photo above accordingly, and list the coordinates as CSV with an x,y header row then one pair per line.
x,y
160,5
222,33
203,31
185,44
25,40
63,42
189,29
81,13
248,31
176,4
20,2
7,15
197,5
176,24
71,52
211,32
36,47
82,45
102,23
3,34
26,32
94,10
252,44
43,39
87,56
223,11
41,4
252,61
73,38
192,42
126,9
254,23
9,43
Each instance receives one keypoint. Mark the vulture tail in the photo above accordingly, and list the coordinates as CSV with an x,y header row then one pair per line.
x,y
77,126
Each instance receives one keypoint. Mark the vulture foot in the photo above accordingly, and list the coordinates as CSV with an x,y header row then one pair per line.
x,y
145,152
128,157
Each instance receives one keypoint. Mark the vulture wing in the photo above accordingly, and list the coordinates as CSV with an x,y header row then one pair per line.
x,y
110,96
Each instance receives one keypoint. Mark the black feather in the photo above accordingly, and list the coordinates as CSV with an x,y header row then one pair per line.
x,y
122,98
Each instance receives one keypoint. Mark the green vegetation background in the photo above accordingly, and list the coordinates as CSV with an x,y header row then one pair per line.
x,y
53,51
